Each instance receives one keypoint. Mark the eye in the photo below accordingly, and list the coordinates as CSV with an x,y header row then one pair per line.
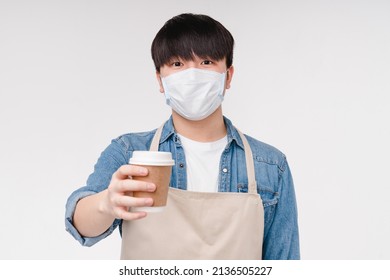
x,y
176,64
207,62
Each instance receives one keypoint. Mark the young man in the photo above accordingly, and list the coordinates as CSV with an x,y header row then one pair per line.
x,y
231,196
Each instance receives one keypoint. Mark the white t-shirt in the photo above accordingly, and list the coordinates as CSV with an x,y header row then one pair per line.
x,y
202,160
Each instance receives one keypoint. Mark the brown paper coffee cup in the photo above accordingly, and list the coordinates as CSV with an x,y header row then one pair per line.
x,y
159,165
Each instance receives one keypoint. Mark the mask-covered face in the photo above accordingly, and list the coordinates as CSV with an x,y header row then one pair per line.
x,y
194,93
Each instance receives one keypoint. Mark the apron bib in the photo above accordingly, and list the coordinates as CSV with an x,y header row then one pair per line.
x,y
200,225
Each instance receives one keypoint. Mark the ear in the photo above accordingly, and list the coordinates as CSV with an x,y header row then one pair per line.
x,y
229,76
158,76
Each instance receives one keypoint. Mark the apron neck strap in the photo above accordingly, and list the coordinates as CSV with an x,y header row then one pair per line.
x,y
156,139
250,167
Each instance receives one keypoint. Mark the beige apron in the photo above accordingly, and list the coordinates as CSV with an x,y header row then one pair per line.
x,y
199,225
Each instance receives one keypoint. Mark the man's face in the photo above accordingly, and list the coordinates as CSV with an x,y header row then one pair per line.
x,y
176,65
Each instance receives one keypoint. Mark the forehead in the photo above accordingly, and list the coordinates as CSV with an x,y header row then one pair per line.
x,y
196,58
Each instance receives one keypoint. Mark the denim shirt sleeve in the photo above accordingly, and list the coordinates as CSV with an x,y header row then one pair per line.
x,y
281,241
109,161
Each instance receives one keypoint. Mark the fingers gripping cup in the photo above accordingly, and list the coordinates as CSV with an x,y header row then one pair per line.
x,y
159,165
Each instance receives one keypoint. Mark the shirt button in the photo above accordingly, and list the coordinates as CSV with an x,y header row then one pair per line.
x,y
181,165
224,170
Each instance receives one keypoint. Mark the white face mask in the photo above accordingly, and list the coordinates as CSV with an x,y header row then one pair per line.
x,y
194,93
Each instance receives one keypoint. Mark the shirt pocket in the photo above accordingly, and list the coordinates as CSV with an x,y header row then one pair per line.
x,y
269,197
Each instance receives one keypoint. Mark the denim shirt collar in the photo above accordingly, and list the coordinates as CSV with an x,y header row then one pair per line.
x,y
232,133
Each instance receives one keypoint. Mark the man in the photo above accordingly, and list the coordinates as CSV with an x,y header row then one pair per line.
x,y
231,196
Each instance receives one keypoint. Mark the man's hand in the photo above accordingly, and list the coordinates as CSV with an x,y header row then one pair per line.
x,y
118,197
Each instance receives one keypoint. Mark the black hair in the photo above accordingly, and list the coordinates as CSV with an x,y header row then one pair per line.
x,y
186,35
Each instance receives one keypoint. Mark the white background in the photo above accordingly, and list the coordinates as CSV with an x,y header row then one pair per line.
x,y
311,78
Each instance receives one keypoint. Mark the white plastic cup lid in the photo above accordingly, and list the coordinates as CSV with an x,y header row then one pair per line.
x,y
152,158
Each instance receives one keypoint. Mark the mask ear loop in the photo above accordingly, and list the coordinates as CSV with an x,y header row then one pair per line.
x,y
223,87
166,93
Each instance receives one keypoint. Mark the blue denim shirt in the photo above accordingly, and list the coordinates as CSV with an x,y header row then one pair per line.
x,y
274,183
